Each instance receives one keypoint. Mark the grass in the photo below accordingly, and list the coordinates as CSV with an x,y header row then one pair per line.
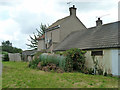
x,y
18,75
0,82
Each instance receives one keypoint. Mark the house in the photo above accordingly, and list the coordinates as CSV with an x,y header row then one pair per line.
x,y
28,55
41,43
59,30
101,42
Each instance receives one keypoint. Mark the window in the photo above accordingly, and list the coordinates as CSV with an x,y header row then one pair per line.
x,y
96,53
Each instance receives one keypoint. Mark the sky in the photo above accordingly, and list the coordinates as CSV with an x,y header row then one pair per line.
x,y
20,18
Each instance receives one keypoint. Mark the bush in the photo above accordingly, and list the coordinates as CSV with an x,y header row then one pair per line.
x,y
71,60
60,53
5,56
75,60
37,54
35,61
100,71
33,64
91,71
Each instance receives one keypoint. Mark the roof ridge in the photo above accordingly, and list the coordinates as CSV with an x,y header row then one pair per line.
x,y
52,25
104,24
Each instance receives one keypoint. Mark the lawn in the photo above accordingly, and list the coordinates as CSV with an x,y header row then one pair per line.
x,y
18,75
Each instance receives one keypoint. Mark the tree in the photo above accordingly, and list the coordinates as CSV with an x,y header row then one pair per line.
x,y
7,47
6,43
34,39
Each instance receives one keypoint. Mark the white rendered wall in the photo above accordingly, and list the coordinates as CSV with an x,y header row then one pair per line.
x,y
115,58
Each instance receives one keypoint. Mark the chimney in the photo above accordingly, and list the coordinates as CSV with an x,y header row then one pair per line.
x,y
72,10
99,22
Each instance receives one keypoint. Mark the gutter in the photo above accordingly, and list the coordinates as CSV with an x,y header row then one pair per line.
x,y
53,28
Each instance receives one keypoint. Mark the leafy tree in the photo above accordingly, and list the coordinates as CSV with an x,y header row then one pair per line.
x,y
34,39
7,47
6,43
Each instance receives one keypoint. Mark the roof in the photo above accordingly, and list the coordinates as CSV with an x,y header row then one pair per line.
x,y
28,52
105,36
58,22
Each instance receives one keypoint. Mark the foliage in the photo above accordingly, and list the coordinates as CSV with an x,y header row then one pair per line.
x,y
60,53
71,60
100,71
37,54
97,66
75,60
18,75
3,52
7,47
91,71
45,59
34,39
6,43
5,56
35,61
33,64
55,59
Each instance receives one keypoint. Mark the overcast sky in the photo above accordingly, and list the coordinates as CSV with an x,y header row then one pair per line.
x,y
20,18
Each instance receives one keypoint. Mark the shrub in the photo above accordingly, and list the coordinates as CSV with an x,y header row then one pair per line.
x,y
60,53
105,74
100,71
91,71
33,64
75,60
70,60
5,56
37,54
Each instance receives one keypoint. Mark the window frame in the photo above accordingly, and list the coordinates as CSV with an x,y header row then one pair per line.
x,y
97,53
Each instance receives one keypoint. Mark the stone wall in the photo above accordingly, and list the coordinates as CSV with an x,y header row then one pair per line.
x,y
14,56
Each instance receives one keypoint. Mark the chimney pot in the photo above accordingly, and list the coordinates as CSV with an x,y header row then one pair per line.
x,y
99,22
73,6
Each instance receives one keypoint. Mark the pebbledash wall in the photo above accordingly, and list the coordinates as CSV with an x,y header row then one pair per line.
x,y
109,61
41,45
